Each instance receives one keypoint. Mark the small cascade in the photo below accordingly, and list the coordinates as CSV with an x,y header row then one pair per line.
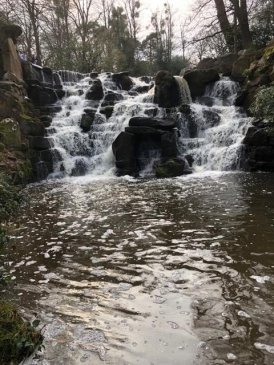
x,y
79,152
213,129
184,90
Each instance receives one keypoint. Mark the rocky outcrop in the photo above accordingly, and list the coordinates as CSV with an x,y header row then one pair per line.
x,y
259,147
170,91
96,91
122,80
223,64
10,62
147,138
199,79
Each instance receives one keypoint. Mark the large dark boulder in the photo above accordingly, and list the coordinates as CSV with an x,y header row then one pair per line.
x,y
122,80
169,148
152,122
199,79
96,91
124,151
167,91
42,96
143,130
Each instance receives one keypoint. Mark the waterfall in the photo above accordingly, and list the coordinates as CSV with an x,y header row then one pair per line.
x,y
211,131
184,89
77,152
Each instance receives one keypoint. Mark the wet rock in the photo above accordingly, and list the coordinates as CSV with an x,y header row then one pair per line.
x,y
211,117
167,91
124,151
46,120
40,143
143,130
42,96
93,75
206,100
60,93
171,168
107,111
152,122
142,89
111,98
87,121
199,79
169,148
96,91
122,80
80,168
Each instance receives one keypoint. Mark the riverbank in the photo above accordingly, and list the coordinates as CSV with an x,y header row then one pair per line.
x,y
18,337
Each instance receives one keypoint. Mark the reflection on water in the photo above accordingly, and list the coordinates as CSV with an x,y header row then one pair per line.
x,y
149,272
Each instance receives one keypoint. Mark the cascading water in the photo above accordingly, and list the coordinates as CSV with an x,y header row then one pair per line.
x,y
212,135
80,153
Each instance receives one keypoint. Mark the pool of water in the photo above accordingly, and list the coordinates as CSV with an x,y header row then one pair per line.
x,y
163,272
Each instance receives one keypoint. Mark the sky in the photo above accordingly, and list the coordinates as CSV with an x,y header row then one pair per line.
x,y
182,5
180,8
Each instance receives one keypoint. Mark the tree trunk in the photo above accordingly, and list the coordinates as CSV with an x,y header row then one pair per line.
x,y
225,26
244,25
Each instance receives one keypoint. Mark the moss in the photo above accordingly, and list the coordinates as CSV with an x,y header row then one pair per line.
x,y
25,117
263,105
18,338
268,53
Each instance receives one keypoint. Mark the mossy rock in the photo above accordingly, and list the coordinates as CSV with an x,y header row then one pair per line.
x,y
18,338
269,53
171,168
10,134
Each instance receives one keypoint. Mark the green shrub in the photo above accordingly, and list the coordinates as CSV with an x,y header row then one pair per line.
x,y
263,106
18,338
9,198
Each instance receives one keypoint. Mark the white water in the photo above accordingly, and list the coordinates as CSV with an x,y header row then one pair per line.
x,y
216,146
220,129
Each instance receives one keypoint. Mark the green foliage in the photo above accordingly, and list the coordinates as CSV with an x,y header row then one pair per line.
x,y
18,338
263,106
9,198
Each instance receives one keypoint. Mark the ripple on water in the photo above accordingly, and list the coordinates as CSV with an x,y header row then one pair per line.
x,y
128,272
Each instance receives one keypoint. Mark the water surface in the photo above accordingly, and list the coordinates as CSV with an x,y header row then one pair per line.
x,y
123,271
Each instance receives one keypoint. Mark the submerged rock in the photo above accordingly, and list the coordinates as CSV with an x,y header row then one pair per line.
x,y
172,168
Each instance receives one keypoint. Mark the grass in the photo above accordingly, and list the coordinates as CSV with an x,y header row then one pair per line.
x,y
18,338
